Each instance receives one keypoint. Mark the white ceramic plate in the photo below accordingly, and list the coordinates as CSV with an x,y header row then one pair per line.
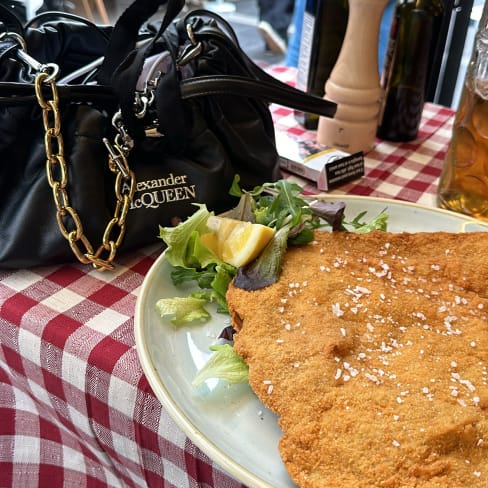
x,y
228,422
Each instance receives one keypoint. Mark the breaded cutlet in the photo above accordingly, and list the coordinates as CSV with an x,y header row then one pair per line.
x,y
373,351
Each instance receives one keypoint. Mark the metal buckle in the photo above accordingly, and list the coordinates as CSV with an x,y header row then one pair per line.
x,y
191,51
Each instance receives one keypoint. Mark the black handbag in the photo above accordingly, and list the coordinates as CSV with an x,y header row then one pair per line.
x,y
108,132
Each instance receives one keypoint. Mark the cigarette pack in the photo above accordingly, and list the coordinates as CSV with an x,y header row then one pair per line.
x,y
328,167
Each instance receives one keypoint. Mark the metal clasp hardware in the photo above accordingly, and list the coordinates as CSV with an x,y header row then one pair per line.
x,y
143,100
191,51
50,68
123,144
16,37
116,158
122,139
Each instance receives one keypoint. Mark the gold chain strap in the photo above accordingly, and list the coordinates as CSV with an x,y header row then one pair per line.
x,y
57,174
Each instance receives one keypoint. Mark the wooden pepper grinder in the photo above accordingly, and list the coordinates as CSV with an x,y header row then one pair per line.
x,y
354,83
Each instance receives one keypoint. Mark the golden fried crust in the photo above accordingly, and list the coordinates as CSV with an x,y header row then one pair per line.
x,y
373,351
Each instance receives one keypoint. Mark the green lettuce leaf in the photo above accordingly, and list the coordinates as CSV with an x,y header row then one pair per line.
x,y
224,364
182,310
185,248
380,222
223,275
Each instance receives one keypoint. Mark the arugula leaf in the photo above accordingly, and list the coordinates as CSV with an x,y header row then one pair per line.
x,y
302,238
281,204
235,189
284,207
203,277
377,223
224,364
182,310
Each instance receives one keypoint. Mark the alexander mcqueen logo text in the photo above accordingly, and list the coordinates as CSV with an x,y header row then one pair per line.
x,y
154,193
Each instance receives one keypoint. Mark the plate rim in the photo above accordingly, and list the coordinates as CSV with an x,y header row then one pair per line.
x,y
230,465
218,456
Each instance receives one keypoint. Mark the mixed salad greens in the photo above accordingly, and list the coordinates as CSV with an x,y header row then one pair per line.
x,y
280,205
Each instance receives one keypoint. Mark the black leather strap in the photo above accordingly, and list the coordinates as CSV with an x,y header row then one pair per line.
x,y
273,92
12,93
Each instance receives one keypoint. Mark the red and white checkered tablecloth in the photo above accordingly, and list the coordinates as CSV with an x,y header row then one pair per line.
x,y
75,406
407,171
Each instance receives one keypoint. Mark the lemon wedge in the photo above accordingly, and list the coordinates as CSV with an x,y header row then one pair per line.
x,y
236,242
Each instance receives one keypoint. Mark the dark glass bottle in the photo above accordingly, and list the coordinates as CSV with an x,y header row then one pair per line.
x,y
413,41
324,26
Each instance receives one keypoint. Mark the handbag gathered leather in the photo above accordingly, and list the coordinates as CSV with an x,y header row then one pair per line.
x,y
106,133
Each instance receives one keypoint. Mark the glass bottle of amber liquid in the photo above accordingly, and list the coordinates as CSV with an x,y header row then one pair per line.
x,y
463,186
